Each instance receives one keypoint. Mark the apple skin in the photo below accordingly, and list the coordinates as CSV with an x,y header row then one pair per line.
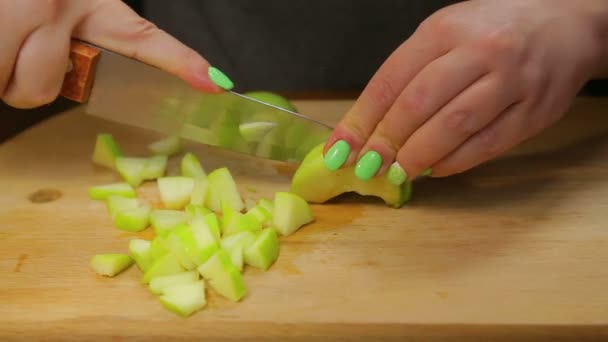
x,y
316,184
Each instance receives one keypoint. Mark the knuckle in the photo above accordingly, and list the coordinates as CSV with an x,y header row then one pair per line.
x,y
413,103
439,23
382,91
385,135
489,142
503,45
461,122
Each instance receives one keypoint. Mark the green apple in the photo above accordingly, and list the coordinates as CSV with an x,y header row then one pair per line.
x,y
106,151
155,167
134,219
255,131
242,239
184,299
191,167
223,276
290,213
317,184
213,225
223,189
181,243
205,240
208,222
261,214
131,169
165,265
164,220
175,191
159,284
236,256
199,191
167,146
110,264
272,99
141,252
157,248
102,192
264,251
235,222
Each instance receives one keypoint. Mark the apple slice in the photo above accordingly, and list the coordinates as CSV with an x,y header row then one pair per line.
x,y
164,220
261,214
290,213
223,276
223,189
131,169
157,248
264,251
165,265
175,191
255,131
106,151
184,299
199,191
116,204
206,241
159,284
134,219
155,167
317,184
214,225
191,167
102,192
141,252
110,264
167,146
235,222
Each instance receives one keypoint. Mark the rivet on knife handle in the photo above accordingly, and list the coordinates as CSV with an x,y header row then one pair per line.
x,y
79,79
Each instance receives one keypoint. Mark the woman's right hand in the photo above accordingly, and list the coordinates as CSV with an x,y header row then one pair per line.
x,y
35,40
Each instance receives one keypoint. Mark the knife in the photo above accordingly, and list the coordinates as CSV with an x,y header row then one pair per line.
x,y
121,89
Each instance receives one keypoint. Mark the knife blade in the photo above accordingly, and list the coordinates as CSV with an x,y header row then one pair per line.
x,y
121,89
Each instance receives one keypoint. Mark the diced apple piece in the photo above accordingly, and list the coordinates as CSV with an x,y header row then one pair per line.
x,y
214,225
180,242
199,191
196,210
175,191
165,265
266,204
168,146
264,251
159,284
110,264
141,251
133,220
191,167
223,276
155,167
157,248
242,239
238,222
106,151
163,220
102,192
249,203
261,214
116,204
223,189
290,213
184,299
236,255
255,131
131,169
206,241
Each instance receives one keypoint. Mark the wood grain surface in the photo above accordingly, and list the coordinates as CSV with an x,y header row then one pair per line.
x,y
515,249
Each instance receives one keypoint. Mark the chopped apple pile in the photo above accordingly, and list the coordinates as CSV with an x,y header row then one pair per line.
x,y
205,232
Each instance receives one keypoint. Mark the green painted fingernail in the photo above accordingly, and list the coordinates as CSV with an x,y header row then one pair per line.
x,y
427,172
368,165
219,78
396,175
337,155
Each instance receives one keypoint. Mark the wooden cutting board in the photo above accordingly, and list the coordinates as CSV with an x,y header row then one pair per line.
x,y
515,248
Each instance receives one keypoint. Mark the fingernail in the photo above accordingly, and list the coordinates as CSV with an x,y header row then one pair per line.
x,y
427,172
219,78
368,165
396,175
337,155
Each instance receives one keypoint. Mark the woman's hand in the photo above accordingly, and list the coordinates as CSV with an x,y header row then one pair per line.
x,y
474,80
35,38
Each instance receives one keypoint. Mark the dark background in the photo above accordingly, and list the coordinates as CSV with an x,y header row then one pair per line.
x,y
13,121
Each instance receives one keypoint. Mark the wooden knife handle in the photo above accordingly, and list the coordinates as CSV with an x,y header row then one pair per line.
x,y
81,72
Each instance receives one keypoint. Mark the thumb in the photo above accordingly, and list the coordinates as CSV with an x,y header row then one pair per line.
x,y
116,27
